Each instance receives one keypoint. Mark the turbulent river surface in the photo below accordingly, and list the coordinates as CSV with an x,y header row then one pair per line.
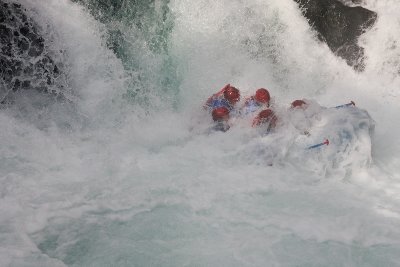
x,y
121,170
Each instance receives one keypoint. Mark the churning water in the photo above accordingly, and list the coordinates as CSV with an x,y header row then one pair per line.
x,y
125,173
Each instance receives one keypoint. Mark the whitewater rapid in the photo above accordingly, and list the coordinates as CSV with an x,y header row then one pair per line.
x,y
126,176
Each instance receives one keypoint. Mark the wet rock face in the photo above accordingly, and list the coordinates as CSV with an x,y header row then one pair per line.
x,y
24,62
356,2
340,26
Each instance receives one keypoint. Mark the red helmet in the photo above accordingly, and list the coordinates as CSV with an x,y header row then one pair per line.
x,y
298,103
220,114
232,94
262,95
264,116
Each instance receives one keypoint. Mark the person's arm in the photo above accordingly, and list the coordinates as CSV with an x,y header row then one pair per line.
x,y
267,116
219,93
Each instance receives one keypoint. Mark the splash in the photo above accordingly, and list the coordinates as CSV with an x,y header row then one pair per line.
x,y
138,181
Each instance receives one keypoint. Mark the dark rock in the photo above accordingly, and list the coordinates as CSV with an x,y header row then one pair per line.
x,y
22,44
2,16
17,85
26,84
355,2
25,62
36,48
5,34
340,27
24,31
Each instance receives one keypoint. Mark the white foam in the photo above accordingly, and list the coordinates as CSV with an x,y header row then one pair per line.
x,y
159,190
